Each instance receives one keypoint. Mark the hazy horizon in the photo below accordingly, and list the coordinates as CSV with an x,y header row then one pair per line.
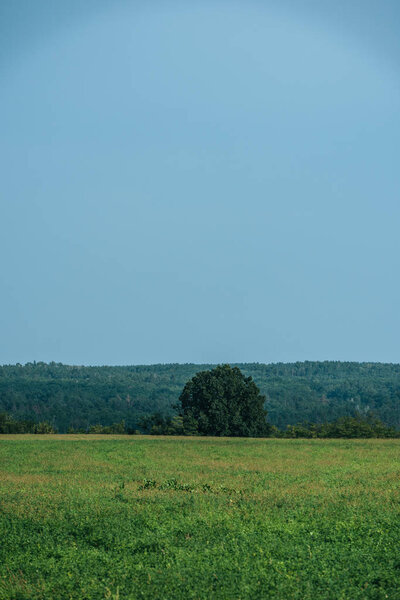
x,y
196,364
207,183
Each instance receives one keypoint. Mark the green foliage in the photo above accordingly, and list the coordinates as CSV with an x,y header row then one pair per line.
x,y
43,427
344,427
157,424
187,518
78,397
10,425
223,402
104,429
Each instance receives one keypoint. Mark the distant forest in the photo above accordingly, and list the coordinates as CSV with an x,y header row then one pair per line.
x,y
80,397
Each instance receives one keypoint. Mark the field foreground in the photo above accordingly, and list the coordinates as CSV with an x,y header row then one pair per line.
x,y
91,517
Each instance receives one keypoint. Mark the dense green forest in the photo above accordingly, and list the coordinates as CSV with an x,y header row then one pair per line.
x,y
80,397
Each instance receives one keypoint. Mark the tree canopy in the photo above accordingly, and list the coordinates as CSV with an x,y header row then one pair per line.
x,y
78,397
223,402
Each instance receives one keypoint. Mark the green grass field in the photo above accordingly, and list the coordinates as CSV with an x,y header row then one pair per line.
x,y
93,517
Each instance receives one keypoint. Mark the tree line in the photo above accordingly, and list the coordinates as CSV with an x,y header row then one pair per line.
x,y
157,424
344,427
10,425
78,398
222,402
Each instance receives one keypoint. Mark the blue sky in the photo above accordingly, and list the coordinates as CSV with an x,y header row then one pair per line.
x,y
199,182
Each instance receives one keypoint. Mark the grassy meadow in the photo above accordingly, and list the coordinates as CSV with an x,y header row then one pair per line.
x,y
92,517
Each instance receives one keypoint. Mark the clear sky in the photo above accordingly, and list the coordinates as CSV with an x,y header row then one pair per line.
x,y
199,181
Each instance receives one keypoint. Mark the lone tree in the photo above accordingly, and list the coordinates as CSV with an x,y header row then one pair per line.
x,y
223,402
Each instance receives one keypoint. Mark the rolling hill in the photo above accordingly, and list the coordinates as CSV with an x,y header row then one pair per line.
x,y
79,396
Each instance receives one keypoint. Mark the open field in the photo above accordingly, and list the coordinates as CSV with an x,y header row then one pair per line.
x,y
91,517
